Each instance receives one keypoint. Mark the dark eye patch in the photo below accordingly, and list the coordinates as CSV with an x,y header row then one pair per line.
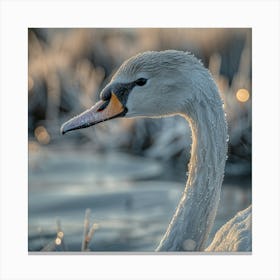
x,y
141,82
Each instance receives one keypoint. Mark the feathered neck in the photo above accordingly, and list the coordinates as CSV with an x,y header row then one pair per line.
x,y
195,214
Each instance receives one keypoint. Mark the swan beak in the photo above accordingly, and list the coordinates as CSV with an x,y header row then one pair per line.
x,y
102,111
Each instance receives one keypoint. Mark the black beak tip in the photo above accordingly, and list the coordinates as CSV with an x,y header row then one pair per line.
x,y
62,129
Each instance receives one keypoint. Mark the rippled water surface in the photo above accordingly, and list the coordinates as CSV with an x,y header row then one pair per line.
x,y
130,203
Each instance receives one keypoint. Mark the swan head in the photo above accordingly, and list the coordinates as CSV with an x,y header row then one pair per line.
x,y
150,84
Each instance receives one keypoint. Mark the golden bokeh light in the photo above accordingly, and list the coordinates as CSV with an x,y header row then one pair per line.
x,y
42,135
57,241
33,146
242,95
60,234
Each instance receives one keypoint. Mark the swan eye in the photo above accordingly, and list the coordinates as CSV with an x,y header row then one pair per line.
x,y
141,82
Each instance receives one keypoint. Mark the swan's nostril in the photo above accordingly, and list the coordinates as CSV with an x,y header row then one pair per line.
x,y
103,106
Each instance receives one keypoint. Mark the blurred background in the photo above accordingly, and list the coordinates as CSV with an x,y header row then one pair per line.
x,y
115,186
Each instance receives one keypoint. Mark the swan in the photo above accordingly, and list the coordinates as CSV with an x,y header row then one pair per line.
x,y
165,83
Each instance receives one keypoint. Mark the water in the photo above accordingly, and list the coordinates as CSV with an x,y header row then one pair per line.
x,y
129,202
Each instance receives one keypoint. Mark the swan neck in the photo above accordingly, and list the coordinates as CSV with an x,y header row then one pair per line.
x,y
195,214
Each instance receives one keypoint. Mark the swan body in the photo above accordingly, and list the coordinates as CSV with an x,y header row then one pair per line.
x,y
159,84
235,235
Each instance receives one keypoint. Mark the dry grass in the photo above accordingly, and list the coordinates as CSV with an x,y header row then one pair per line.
x,y
68,68
88,231
58,243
